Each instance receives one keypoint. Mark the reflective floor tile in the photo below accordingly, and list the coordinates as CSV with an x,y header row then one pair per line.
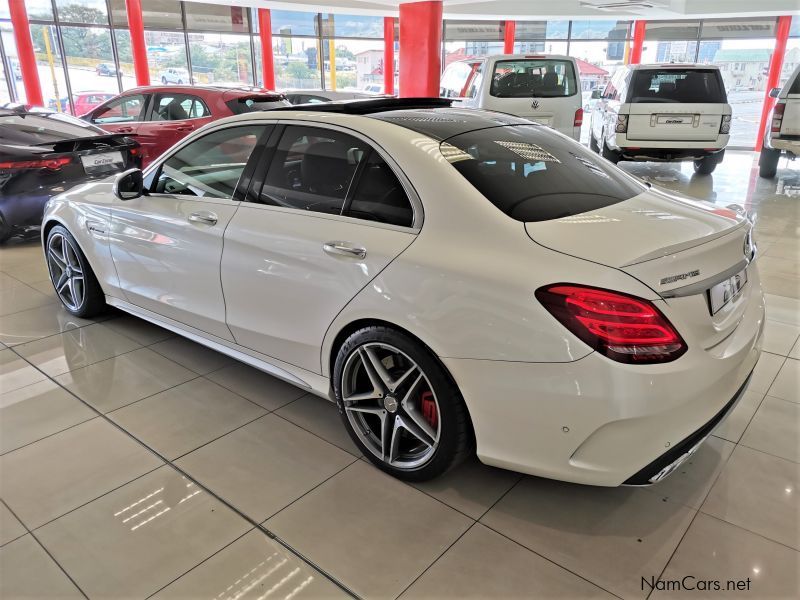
x,y
10,527
779,338
17,298
265,390
138,329
795,353
775,429
185,417
37,323
115,382
782,308
252,567
320,417
265,465
38,410
29,573
471,488
690,483
45,287
484,564
57,474
765,372
15,372
787,384
368,530
732,426
714,550
137,539
76,348
30,270
758,492
610,536
192,355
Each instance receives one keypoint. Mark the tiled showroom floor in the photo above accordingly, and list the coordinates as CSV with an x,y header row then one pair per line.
x,y
135,463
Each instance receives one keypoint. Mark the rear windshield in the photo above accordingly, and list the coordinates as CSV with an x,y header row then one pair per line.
x,y
675,85
43,128
533,174
243,105
533,78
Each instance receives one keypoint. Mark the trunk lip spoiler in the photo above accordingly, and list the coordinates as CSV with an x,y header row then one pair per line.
x,y
699,287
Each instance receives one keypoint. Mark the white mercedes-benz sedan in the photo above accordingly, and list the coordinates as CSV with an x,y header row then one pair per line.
x,y
456,280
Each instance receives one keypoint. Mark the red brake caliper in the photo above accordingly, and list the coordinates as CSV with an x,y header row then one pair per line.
x,y
429,408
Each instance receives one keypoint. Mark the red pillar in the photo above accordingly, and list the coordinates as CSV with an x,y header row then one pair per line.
x,y
267,59
774,77
509,35
138,45
421,47
27,59
388,55
638,42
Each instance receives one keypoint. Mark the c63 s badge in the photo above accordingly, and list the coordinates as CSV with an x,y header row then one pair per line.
x,y
680,277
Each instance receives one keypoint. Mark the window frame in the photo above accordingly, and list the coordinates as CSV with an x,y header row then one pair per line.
x,y
265,161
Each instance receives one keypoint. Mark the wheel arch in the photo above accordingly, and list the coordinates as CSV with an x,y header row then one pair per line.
x,y
48,225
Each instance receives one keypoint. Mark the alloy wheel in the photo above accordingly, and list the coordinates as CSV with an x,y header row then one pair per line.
x,y
391,405
65,271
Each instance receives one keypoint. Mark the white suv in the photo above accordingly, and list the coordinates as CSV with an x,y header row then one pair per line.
x,y
783,134
541,88
666,112
173,75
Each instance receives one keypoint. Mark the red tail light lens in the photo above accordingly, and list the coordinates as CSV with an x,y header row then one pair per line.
x,y
578,118
52,164
777,117
624,328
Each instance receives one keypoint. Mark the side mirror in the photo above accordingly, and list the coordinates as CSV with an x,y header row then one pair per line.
x,y
774,92
129,185
597,93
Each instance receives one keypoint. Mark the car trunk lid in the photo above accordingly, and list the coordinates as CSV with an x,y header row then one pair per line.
x,y
675,122
790,125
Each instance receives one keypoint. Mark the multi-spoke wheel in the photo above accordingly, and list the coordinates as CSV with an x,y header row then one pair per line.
x,y
72,278
399,405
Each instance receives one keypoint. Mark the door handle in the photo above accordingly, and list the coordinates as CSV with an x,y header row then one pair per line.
x,y
344,249
206,218
184,128
125,129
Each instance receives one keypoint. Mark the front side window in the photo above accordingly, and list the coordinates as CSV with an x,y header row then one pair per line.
x,y
533,175
533,78
179,107
209,167
379,196
677,85
312,169
122,110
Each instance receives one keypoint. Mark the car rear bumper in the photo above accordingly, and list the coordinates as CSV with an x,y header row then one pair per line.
x,y
598,422
666,150
784,144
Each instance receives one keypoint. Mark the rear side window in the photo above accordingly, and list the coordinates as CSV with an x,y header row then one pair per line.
x,y
179,107
461,80
122,110
532,174
676,85
533,78
379,196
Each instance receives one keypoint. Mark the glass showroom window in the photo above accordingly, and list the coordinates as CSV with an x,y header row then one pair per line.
x,y
290,23
468,39
51,67
156,14
125,56
296,63
12,69
166,57
358,64
222,59
90,60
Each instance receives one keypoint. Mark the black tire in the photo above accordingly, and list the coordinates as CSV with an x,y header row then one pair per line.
x,y
6,231
180,82
593,145
93,301
610,154
456,438
768,162
706,166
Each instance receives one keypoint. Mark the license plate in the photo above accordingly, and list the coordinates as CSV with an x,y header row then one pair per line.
x,y
107,161
725,291
675,119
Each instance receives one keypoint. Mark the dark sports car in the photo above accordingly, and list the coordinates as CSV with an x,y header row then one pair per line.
x,y
43,153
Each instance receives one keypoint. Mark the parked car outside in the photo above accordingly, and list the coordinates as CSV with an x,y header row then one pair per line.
x,y
543,88
176,76
86,101
335,247
53,105
782,137
43,153
107,70
316,96
663,112
160,116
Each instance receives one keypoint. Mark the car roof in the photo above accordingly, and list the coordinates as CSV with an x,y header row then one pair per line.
x,y
187,89
681,66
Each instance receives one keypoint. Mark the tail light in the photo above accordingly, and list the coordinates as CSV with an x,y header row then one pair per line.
x,y
725,126
578,122
777,117
622,124
51,164
624,328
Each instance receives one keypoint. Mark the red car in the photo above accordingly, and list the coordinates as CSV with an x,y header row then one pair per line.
x,y
159,116
86,101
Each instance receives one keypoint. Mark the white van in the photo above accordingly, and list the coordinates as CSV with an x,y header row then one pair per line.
x,y
543,88
663,112
783,133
